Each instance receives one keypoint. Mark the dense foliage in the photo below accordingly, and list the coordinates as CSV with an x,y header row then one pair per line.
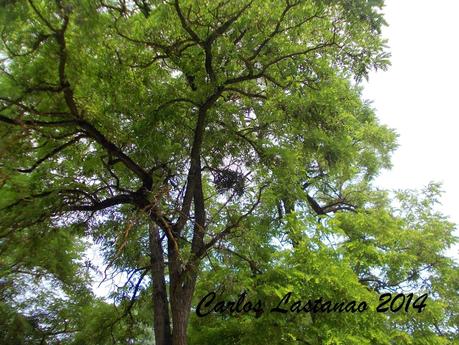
x,y
206,146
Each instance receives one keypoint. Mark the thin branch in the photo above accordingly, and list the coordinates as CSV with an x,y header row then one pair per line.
x,y
51,154
184,23
246,93
44,20
252,264
230,227
20,122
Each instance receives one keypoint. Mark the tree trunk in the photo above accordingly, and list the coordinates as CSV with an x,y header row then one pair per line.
x,y
181,288
181,296
161,321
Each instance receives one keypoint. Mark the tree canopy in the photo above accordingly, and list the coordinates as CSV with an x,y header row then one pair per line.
x,y
206,146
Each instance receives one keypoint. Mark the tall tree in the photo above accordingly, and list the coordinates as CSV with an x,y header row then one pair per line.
x,y
168,129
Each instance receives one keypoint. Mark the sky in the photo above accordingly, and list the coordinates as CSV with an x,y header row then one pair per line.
x,y
418,97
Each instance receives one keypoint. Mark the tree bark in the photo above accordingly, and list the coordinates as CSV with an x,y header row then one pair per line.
x,y
181,296
181,288
161,320
182,280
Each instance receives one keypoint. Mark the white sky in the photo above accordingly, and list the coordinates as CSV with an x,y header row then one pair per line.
x,y
418,96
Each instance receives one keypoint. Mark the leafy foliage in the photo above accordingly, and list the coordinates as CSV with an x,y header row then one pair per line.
x,y
208,146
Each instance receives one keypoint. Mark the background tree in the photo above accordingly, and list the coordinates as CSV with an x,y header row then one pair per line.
x,y
173,131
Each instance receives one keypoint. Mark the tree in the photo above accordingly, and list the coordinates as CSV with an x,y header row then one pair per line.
x,y
169,132
384,249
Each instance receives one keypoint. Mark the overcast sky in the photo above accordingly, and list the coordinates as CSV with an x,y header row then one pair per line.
x,y
418,96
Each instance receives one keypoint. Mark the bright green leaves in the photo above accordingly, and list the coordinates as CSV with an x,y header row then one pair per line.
x,y
406,240
99,102
43,285
352,256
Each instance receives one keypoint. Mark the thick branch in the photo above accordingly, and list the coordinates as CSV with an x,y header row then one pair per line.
x,y
97,206
117,152
91,130
339,205
195,164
